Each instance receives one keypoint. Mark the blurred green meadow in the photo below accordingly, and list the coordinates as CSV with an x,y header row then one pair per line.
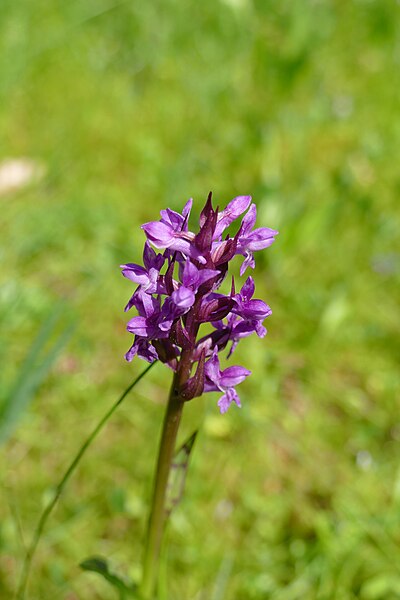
x,y
115,111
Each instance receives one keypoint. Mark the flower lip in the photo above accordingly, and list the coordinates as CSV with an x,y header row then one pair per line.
x,y
226,400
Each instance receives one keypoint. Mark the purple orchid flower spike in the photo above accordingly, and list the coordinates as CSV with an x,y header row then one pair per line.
x,y
178,290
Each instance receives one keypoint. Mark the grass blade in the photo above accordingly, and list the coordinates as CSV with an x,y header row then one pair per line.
x,y
20,595
31,374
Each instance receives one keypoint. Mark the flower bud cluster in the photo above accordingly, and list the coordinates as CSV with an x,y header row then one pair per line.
x,y
177,292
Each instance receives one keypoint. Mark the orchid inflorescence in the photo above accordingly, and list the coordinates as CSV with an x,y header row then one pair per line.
x,y
177,293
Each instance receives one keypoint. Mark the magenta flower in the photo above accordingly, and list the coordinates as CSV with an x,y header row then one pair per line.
x,y
147,276
224,381
251,241
177,291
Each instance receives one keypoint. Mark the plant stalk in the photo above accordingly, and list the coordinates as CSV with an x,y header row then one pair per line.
x,y
158,512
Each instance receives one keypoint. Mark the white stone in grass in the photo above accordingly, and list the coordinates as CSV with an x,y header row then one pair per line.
x,y
16,173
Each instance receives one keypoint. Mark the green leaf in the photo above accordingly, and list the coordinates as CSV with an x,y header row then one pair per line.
x,y
31,374
177,476
98,564
222,579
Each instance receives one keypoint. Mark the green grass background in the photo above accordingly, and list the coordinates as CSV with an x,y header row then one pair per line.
x,y
134,106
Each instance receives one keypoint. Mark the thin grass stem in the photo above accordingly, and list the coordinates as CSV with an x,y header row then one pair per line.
x,y
20,594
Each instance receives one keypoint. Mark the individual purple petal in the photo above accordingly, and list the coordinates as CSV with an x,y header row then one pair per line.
x,y
224,403
210,386
153,284
193,278
151,259
147,352
150,304
235,208
212,369
171,310
183,245
161,235
183,297
172,218
249,220
134,300
232,376
250,241
135,273
149,256
133,350
190,274
243,328
233,347
166,325
206,275
252,309
186,210
259,239
149,276
260,329
248,262
138,326
226,400
143,349
179,222
248,289
184,242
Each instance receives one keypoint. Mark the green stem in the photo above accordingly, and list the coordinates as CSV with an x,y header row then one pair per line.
x,y
158,513
20,595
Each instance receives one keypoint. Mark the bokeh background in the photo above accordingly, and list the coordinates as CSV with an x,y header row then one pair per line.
x,y
110,112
